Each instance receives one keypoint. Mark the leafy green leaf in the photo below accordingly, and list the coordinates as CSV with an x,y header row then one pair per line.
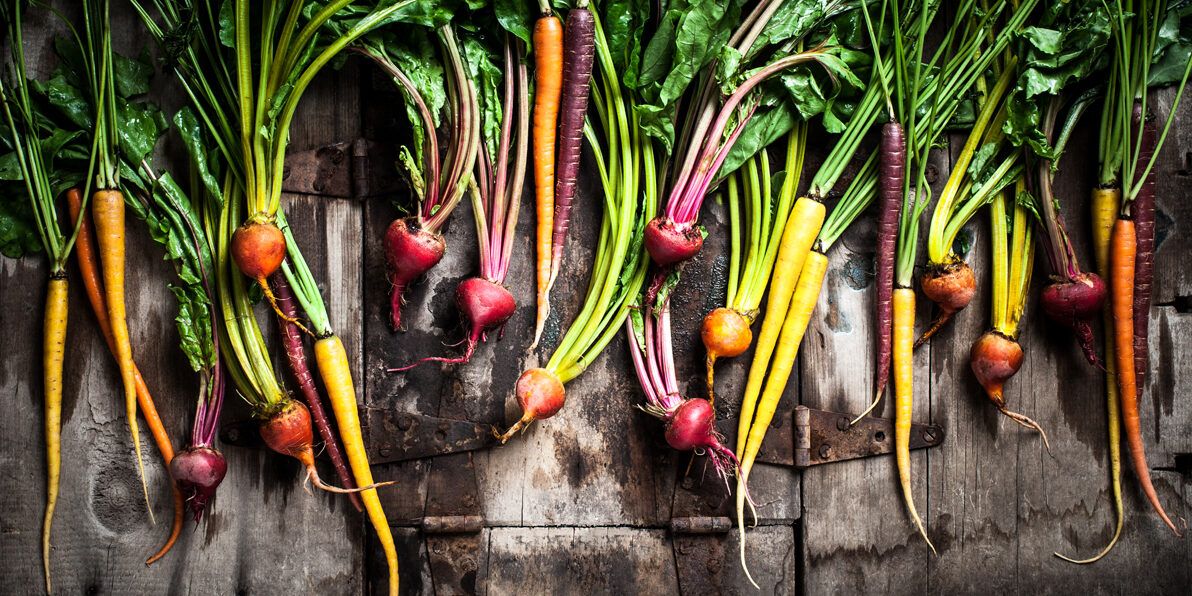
x,y
18,234
488,78
624,23
131,75
140,126
765,128
1174,47
71,100
515,16
682,45
205,162
227,24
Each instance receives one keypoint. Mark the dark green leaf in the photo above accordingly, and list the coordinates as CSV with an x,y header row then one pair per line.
x,y
71,100
516,16
18,234
140,126
205,162
132,75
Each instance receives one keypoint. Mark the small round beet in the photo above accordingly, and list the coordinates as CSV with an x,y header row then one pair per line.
x,y
670,243
198,472
726,333
258,248
410,251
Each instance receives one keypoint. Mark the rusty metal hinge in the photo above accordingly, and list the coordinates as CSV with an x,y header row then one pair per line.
x,y
824,437
348,169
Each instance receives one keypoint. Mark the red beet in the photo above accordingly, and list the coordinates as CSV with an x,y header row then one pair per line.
x,y
690,427
486,305
951,287
198,472
540,394
258,248
410,252
995,358
289,433
670,243
1074,304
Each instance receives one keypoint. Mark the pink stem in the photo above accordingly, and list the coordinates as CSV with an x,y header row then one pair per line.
x,y
639,366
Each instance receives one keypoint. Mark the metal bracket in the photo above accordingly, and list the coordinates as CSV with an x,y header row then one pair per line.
x,y
344,169
824,437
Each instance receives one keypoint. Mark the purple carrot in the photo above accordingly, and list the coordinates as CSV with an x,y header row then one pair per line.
x,y
579,53
291,339
1143,211
893,168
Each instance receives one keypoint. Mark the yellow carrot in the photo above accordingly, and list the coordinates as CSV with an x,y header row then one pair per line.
x,y
107,208
333,365
802,304
1106,203
53,354
803,225
904,395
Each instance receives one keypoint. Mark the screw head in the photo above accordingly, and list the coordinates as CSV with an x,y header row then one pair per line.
x,y
842,423
930,435
825,450
405,422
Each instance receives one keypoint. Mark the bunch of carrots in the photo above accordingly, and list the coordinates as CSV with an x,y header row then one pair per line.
x,y
667,123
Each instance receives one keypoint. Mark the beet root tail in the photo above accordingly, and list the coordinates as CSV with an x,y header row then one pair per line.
x,y
1084,335
461,359
1027,423
395,303
312,476
264,283
936,325
519,426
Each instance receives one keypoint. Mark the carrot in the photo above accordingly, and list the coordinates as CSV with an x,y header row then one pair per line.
x,y
548,81
1123,252
904,378
1143,210
802,226
579,55
1106,204
893,172
108,210
93,285
802,304
333,366
291,340
53,354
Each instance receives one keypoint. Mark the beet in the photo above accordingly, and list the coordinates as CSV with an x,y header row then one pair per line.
x,y
671,243
288,432
691,427
258,248
995,358
726,333
540,394
410,252
198,472
951,287
486,305
1074,304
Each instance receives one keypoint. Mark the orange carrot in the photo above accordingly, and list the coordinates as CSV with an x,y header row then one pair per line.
x,y
89,269
1123,247
548,85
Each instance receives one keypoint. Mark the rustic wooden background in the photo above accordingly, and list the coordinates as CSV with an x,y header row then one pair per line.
x,y
583,503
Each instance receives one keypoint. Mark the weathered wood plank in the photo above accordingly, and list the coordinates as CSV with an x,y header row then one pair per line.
x,y
580,561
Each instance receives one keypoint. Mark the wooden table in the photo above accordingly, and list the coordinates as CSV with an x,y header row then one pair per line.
x,y
584,502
